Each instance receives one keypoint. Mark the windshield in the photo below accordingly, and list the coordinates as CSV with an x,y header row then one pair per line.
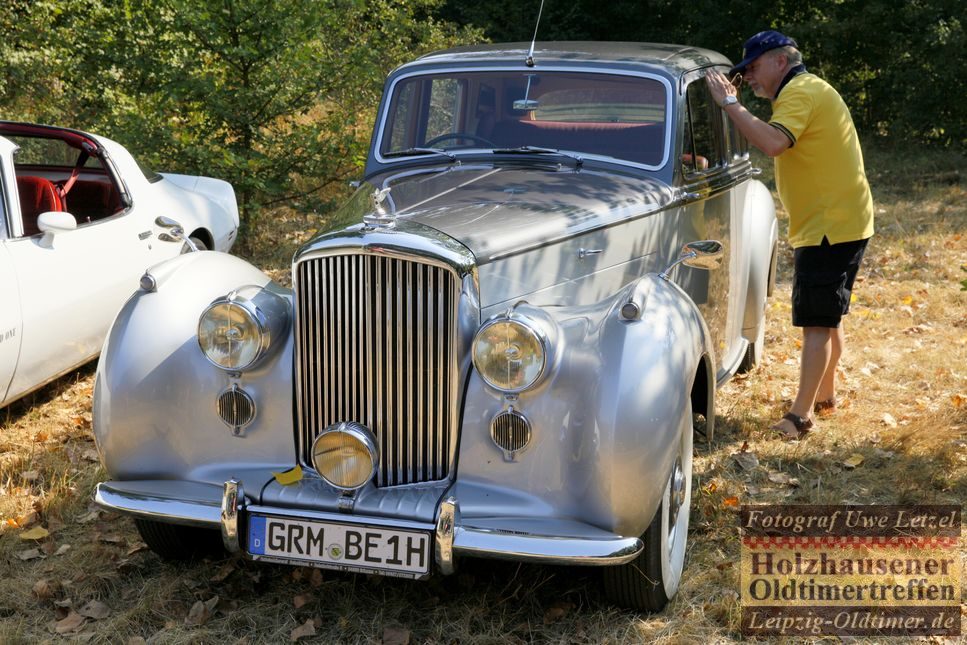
x,y
595,114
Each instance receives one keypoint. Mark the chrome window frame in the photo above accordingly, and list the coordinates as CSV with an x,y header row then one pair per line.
x,y
434,71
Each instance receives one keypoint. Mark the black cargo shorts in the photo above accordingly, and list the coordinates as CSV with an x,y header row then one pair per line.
x,y
823,282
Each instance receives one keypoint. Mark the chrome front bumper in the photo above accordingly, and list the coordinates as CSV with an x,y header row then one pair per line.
x,y
524,539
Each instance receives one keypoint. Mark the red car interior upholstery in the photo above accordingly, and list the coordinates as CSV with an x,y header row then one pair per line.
x,y
37,195
92,200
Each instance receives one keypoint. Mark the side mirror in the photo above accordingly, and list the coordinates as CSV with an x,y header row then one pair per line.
x,y
53,222
56,222
706,254
702,254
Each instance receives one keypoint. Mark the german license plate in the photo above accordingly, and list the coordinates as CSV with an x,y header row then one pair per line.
x,y
375,549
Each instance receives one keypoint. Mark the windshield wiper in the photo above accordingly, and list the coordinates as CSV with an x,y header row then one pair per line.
x,y
421,151
537,150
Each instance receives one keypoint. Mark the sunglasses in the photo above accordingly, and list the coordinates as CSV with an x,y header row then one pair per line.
x,y
736,80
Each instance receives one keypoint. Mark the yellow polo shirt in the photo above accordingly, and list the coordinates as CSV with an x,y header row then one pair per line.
x,y
821,178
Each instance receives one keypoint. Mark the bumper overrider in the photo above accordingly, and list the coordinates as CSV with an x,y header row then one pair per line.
x,y
228,510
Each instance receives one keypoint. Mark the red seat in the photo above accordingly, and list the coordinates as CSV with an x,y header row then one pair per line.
x,y
37,195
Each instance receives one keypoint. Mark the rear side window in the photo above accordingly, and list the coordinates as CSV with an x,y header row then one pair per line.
x,y
704,147
38,151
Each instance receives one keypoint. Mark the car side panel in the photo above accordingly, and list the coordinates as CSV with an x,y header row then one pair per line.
x,y
10,323
605,422
155,414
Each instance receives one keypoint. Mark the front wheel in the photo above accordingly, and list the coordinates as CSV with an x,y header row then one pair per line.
x,y
177,542
649,581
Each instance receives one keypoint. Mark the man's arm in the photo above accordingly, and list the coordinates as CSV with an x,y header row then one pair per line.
x,y
763,136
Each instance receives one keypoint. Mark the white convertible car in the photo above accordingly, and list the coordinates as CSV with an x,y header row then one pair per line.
x,y
80,222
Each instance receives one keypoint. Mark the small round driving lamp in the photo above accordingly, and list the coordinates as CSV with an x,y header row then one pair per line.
x,y
345,455
509,353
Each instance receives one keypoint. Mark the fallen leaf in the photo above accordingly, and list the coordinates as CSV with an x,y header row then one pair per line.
x,y
90,516
710,487
225,571
71,623
783,478
731,502
853,461
44,589
557,611
41,437
722,566
289,477
137,547
36,533
301,600
90,455
95,609
302,631
746,460
396,636
29,554
315,578
958,400
888,420
201,612
745,447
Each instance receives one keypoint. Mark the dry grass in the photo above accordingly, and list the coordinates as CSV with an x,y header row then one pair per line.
x,y
904,387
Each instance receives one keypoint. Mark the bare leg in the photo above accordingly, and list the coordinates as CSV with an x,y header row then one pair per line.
x,y
816,350
827,387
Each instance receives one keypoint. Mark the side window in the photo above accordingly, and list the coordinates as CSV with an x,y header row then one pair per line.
x,y
739,144
704,147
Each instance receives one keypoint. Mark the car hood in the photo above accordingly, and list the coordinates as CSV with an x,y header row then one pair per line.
x,y
501,210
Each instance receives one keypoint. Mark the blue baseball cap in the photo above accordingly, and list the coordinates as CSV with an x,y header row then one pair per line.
x,y
761,43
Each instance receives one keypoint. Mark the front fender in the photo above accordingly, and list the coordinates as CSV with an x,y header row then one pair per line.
x,y
155,392
605,421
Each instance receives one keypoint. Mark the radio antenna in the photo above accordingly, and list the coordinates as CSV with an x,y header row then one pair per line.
x,y
530,55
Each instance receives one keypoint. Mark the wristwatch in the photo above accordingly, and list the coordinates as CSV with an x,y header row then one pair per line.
x,y
730,99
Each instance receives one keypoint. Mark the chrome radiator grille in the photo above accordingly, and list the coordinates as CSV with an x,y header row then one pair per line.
x,y
374,343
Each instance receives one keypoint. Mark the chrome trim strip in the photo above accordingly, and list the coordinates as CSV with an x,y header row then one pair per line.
x,y
670,93
233,501
445,524
159,507
545,549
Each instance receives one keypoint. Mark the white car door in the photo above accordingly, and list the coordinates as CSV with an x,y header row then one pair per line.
x,y
72,287
10,322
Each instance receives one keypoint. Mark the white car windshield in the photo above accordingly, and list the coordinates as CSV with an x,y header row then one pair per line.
x,y
609,115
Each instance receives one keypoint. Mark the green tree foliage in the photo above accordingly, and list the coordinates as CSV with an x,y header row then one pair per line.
x,y
898,63
275,96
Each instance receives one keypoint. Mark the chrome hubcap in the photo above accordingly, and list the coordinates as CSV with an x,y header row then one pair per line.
x,y
677,497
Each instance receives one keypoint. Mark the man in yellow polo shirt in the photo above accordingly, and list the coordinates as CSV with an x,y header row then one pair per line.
x,y
822,184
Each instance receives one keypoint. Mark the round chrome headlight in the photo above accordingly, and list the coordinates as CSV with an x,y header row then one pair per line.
x,y
509,353
235,331
345,455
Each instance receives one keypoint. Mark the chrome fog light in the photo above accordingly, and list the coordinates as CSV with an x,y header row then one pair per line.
x,y
510,353
345,455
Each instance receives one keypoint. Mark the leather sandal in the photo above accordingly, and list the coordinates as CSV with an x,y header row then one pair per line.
x,y
802,425
825,408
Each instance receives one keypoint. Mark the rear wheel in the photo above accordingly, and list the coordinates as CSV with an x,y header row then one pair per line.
x,y
177,542
649,581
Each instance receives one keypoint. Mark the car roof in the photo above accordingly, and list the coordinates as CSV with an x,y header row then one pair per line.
x,y
674,59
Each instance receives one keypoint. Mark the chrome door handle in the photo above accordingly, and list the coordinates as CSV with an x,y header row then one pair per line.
x,y
583,253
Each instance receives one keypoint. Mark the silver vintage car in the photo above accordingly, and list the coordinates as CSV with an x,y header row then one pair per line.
x,y
503,349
